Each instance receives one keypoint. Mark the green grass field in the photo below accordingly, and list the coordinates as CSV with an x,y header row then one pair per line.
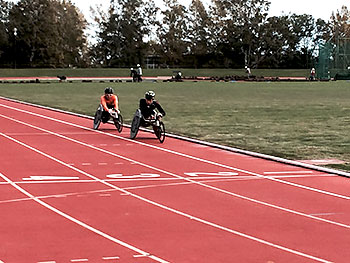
x,y
125,72
301,120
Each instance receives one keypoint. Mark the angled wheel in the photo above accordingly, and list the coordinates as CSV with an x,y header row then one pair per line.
x,y
97,119
159,131
118,122
135,125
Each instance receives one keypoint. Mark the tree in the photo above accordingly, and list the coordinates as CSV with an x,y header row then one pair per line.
x,y
199,32
239,23
50,33
123,32
172,33
273,42
4,32
340,23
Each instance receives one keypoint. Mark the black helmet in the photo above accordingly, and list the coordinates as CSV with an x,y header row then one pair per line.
x,y
150,95
109,90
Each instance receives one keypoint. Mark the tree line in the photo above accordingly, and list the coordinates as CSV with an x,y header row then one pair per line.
x,y
224,34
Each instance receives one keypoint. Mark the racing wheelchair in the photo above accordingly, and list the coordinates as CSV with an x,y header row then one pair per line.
x,y
154,121
104,117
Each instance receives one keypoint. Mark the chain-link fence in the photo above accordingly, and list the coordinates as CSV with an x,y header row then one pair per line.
x,y
334,59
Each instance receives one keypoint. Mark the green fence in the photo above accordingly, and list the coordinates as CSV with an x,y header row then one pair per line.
x,y
334,59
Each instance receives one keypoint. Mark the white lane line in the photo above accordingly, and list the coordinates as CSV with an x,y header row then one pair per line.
x,y
324,214
78,222
196,174
40,261
140,256
79,260
110,258
256,239
290,172
142,175
205,180
168,173
148,178
105,195
180,154
43,178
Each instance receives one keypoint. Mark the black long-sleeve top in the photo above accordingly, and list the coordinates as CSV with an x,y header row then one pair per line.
x,y
148,110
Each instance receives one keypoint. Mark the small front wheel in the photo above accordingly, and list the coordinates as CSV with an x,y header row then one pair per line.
x,y
118,123
159,131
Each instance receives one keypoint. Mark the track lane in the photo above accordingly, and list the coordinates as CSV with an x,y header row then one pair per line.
x,y
74,133
30,233
257,161
163,157
175,175
187,228
245,243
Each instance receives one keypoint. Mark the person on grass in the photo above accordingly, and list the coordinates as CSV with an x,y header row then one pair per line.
x,y
139,73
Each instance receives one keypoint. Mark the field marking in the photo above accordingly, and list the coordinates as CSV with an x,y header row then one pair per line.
x,y
180,154
110,258
209,178
205,180
142,175
289,172
197,174
78,222
79,260
47,177
214,225
70,218
140,256
325,214
165,172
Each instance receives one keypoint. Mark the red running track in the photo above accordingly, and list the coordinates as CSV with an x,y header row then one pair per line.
x,y
72,194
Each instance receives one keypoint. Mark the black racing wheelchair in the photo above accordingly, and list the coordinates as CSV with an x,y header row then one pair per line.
x,y
105,116
154,121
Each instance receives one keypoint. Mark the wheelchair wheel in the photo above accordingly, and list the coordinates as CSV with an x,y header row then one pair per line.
x,y
159,131
97,119
118,123
135,125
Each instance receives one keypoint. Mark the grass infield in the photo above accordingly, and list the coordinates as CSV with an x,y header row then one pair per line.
x,y
293,120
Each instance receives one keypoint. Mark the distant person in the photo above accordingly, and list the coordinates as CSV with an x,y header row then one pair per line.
x,y
62,78
178,76
139,73
248,71
313,74
133,74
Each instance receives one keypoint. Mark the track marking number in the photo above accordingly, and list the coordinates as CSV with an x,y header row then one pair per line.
x,y
196,174
142,175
